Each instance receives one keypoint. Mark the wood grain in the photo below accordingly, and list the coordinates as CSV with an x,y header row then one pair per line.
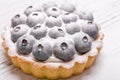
x,y
106,13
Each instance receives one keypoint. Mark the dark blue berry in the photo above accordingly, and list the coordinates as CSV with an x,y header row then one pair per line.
x,y
39,31
83,43
35,18
25,44
18,31
64,49
18,19
56,32
42,51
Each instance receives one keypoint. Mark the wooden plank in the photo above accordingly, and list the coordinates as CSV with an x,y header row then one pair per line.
x,y
106,12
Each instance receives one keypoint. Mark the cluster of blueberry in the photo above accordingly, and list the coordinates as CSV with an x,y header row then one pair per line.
x,y
55,22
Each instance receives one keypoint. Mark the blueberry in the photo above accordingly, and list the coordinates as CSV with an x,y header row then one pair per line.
x,y
67,18
68,7
72,28
39,31
24,44
85,15
35,18
81,14
64,49
53,11
91,29
42,50
49,4
18,19
83,43
88,16
52,21
18,31
56,32
31,9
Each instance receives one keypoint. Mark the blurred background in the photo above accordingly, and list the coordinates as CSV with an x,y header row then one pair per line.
x,y
106,13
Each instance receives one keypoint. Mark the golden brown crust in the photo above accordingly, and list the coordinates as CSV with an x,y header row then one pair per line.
x,y
42,71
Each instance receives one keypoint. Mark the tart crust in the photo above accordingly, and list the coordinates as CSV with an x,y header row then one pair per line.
x,y
49,70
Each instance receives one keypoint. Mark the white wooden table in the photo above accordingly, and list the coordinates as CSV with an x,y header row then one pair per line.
x,y
106,13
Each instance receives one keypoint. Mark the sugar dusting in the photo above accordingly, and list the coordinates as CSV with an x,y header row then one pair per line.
x,y
53,61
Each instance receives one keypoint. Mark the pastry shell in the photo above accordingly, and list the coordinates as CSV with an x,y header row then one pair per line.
x,y
49,70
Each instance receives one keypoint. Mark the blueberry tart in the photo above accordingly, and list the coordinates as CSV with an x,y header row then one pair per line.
x,y
52,41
